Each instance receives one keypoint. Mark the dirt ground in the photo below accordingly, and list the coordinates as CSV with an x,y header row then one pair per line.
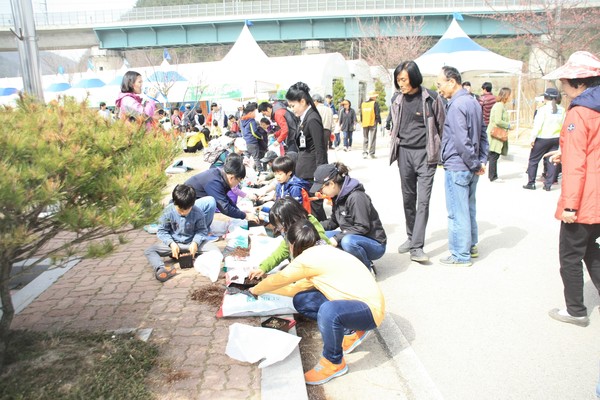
x,y
311,348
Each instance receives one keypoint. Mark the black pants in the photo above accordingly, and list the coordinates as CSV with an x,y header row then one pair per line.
x,y
493,165
416,182
578,242
541,147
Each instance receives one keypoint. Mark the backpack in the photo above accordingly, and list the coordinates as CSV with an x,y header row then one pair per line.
x,y
217,147
368,113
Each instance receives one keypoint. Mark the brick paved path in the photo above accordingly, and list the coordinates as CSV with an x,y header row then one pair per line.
x,y
120,291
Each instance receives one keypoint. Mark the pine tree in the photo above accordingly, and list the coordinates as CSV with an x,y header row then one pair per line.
x,y
339,91
380,89
64,169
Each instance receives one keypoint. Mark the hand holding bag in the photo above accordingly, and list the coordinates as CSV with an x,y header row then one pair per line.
x,y
499,133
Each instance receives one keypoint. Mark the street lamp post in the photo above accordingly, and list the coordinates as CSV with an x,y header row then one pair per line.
x,y
27,47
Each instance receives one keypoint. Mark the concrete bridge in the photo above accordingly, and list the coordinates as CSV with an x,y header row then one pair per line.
x,y
273,21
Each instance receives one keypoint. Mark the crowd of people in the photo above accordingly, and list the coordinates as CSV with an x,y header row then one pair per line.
x,y
331,273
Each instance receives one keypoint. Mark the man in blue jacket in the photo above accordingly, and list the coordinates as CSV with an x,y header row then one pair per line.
x,y
464,155
212,185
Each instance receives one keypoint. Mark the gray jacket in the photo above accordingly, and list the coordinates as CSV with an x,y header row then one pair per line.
x,y
435,114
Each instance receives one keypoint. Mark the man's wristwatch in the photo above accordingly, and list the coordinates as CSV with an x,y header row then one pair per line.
x,y
570,210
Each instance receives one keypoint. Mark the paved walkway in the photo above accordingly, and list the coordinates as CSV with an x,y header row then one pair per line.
x,y
120,291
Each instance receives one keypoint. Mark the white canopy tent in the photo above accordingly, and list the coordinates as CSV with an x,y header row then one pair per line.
x,y
458,50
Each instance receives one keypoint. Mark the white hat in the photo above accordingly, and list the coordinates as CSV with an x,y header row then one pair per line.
x,y
240,143
581,64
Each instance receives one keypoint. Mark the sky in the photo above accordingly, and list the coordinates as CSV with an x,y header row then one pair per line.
x,y
73,5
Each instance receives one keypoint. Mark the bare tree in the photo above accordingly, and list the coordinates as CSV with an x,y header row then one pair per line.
x,y
554,29
388,41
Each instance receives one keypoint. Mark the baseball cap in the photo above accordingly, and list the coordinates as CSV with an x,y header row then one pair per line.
x,y
269,156
372,94
323,174
551,92
240,143
188,105
581,64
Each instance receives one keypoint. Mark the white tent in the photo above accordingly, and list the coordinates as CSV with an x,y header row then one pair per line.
x,y
458,50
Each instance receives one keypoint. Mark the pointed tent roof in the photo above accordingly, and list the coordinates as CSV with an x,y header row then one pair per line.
x,y
458,50
245,49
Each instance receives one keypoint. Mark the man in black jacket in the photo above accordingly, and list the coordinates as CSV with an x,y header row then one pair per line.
x,y
417,121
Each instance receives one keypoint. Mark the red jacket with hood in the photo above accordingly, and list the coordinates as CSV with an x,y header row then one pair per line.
x,y
580,146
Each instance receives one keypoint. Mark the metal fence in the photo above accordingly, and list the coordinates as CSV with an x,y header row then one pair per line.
x,y
257,8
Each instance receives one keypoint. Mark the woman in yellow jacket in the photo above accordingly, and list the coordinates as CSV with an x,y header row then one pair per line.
x,y
498,117
332,287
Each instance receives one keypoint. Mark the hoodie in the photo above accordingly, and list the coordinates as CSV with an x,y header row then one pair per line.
x,y
293,187
252,134
580,146
130,106
353,213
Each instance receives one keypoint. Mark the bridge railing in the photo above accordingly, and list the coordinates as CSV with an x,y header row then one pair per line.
x,y
249,8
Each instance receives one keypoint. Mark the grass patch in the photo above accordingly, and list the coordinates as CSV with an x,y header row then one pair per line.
x,y
76,365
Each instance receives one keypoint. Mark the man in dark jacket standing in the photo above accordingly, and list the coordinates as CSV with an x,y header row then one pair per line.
x,y
418,118
464,155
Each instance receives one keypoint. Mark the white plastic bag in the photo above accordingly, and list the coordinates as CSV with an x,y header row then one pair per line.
x,y
209,264
252,344
269,304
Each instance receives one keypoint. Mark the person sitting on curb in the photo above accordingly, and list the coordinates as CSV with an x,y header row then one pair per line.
x,y
182,228
284,213
354,224
212,186
333,288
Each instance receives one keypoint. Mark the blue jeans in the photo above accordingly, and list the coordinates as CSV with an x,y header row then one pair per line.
x,y
362,247
461,206
334,317
348,139
208,205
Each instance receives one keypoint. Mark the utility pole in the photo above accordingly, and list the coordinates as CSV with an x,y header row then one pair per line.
x,y
27,47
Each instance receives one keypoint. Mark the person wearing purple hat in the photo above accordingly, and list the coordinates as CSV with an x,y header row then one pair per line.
x,y
579,206
354,224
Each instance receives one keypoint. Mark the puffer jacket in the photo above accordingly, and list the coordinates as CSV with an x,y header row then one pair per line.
x,y
353,213
580,146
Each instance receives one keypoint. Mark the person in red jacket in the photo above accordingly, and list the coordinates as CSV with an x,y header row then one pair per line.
x,y
579,203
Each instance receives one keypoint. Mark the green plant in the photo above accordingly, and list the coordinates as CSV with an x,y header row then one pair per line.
x,y
380,89
339,91
65,169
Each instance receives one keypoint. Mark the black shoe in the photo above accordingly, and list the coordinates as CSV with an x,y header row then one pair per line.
x,y
547,188
530,186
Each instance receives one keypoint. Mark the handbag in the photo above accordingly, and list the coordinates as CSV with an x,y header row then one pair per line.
x,y
499,133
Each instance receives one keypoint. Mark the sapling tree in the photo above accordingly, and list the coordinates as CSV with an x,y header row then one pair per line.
x,y
64,169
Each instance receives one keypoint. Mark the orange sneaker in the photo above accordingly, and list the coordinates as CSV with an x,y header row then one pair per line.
x,y
352,341
325,371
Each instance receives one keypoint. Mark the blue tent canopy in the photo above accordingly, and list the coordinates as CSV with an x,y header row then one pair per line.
x,y
7,91
89,83
58,87
166,77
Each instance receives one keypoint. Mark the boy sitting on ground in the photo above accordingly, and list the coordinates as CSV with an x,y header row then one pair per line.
x,y
182,228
